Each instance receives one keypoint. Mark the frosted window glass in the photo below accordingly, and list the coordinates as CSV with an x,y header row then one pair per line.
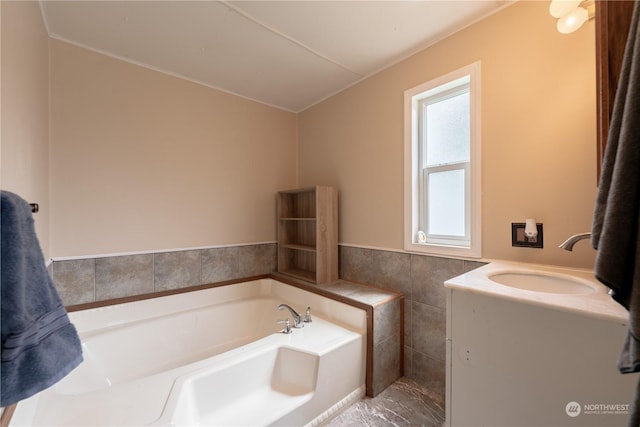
x,y
446,205
448,130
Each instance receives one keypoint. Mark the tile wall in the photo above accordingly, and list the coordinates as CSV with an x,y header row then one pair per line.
x,y
420,278
97,279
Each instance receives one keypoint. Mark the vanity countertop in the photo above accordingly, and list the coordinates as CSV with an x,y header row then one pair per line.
x,y
596,303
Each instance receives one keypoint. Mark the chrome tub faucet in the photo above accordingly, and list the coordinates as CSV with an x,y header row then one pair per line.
x,y
297,317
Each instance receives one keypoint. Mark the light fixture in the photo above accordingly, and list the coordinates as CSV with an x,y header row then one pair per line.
x,y
571,14
559,8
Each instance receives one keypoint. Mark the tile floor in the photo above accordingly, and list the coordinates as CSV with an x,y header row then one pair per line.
x,y
403,403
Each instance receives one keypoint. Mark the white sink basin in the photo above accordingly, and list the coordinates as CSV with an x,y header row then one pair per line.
x,y
542,282
573,290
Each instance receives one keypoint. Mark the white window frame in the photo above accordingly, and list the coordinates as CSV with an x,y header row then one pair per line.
x,y
414,180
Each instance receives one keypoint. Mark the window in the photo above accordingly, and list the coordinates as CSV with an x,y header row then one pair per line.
x,y
442,165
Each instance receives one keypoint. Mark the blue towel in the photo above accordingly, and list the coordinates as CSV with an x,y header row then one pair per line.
x,y
39,344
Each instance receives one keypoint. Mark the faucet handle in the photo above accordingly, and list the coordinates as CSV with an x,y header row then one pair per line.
x,y
287,325
307,317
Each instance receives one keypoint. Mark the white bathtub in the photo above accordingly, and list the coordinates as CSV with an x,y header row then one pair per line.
x,y
209,357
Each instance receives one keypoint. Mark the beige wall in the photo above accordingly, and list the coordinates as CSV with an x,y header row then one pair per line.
x,y
143,161
24,147
538,136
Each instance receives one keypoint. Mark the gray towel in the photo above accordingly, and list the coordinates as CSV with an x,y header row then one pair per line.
x,y
39,344
616,221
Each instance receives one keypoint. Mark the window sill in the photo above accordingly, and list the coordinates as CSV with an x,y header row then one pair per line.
x,y
443,250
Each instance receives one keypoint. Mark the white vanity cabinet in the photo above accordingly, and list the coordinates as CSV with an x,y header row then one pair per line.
x,y
514,363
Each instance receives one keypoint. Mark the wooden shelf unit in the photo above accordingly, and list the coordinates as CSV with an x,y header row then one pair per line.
x,y
308,233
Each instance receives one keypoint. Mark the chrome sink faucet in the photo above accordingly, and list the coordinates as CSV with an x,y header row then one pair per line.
x,y
297,317
567,245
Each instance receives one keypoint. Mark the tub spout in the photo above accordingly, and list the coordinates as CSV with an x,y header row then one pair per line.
x,y
567,245
297,317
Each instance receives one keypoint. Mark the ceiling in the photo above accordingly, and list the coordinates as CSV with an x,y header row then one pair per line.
x,y
288,54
